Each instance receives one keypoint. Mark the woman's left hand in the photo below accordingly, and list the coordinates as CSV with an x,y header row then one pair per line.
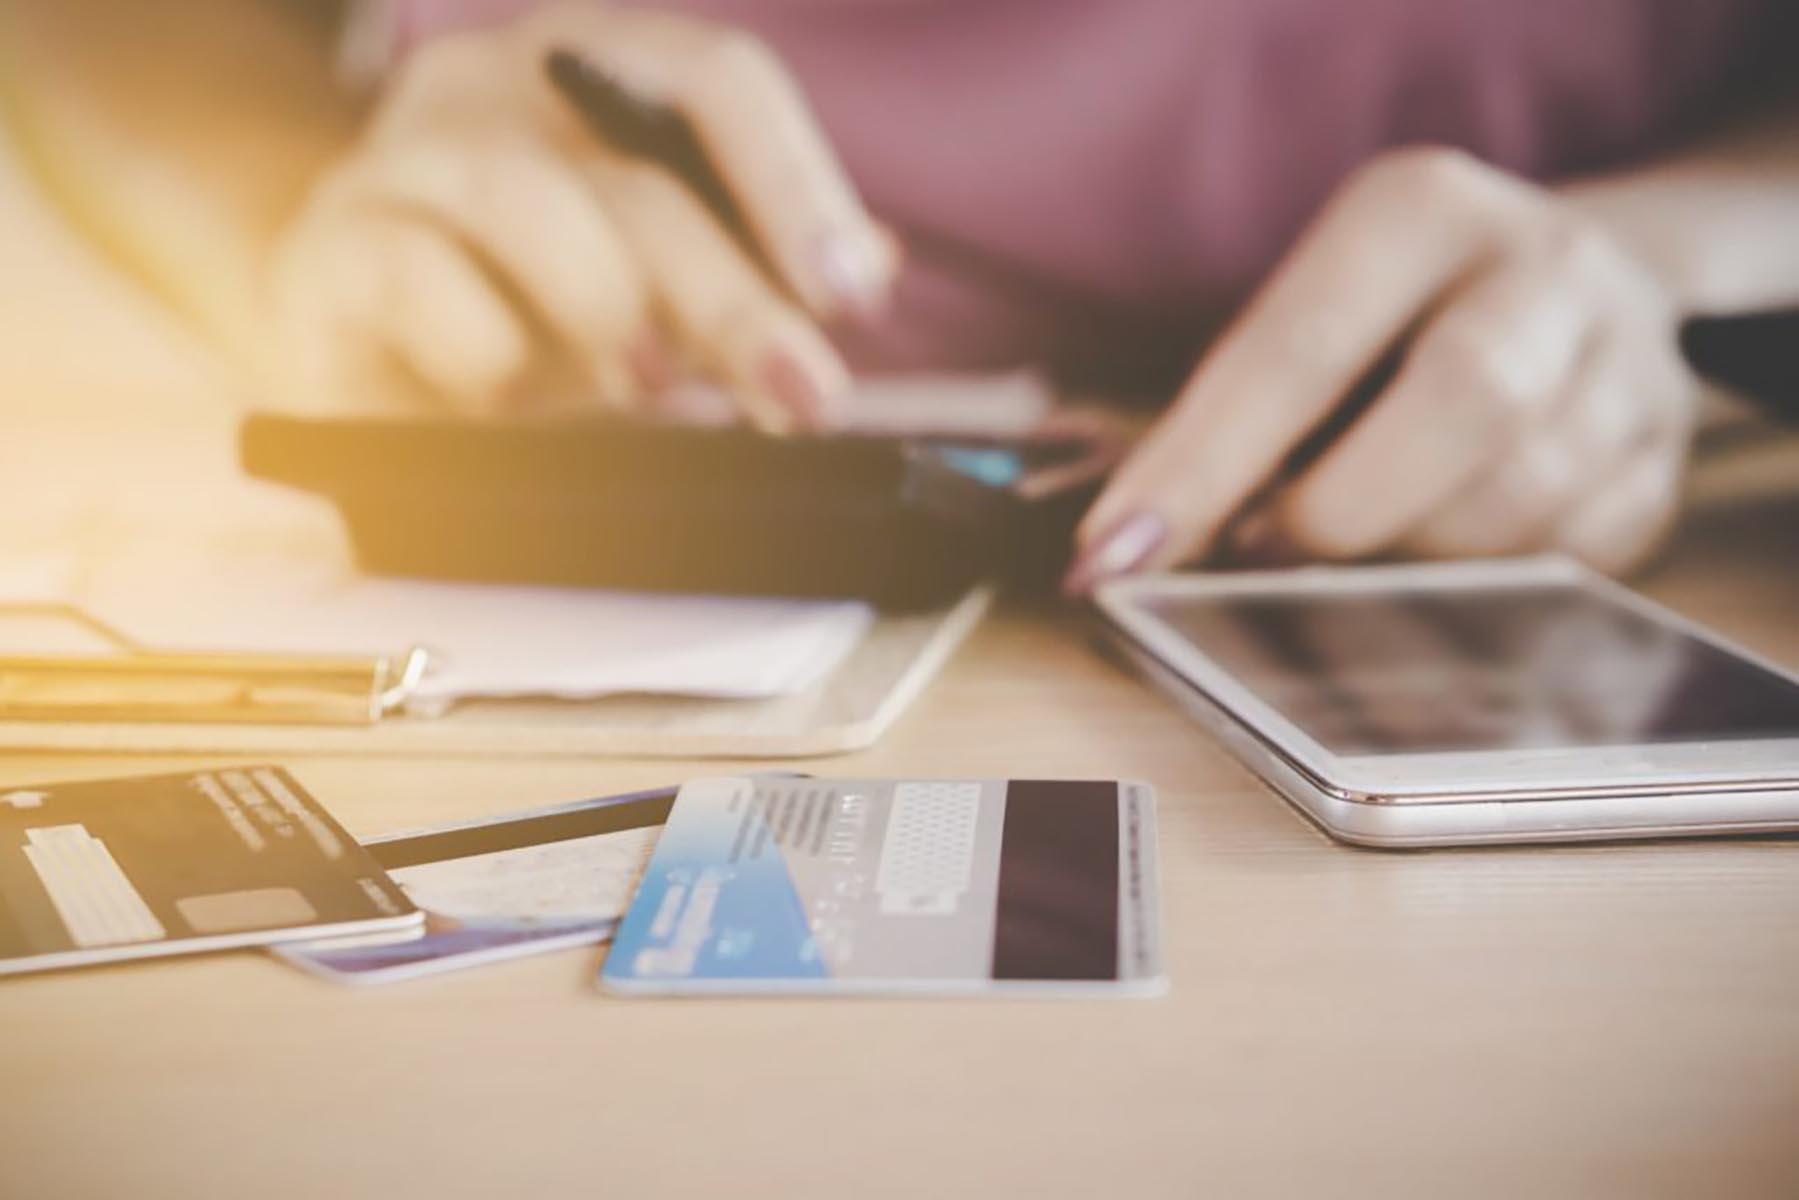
x,y
1540,403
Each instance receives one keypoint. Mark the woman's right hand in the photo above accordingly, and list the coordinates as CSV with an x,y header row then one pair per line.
x,y
480,247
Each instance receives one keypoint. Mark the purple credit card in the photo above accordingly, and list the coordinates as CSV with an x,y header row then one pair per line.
x,y
502,888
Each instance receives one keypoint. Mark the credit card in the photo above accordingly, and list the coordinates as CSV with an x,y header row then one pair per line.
x,y
871,886
502,887
113,869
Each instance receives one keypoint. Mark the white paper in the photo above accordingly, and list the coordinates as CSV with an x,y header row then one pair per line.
x,y
488,640
1008,404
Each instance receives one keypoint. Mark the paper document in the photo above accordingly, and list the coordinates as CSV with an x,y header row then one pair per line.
x,y
1009,404
486,640
489,640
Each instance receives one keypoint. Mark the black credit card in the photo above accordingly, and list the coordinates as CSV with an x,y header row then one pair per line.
x,y
103,870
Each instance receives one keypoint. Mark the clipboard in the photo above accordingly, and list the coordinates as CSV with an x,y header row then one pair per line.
x,y
846,711
127,681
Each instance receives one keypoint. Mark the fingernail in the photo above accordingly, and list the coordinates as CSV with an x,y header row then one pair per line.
x,y
1260,541
653,364
1119,552
615,384
1252,534
852,273
801,395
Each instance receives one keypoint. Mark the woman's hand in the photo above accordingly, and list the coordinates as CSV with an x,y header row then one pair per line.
x,y
1540,401
481,248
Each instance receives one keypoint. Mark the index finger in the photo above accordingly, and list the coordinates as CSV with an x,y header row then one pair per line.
x,y
758,132
1380,255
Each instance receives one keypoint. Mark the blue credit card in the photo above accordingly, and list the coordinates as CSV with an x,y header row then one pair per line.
x,y
898,886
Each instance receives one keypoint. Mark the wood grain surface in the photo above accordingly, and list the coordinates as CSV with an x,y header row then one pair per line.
x,y
1616,1020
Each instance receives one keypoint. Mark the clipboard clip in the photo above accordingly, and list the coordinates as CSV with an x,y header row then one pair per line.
x,y
135,683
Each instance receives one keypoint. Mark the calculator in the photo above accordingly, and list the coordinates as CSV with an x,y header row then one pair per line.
x,y
907,522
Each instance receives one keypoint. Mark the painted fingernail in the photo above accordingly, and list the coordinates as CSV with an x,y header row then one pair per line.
x,y
1119,552
1251,535
1259,540
852,273
616,384
653,364
806,400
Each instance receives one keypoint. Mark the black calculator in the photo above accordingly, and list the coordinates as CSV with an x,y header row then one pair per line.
x,y
907,522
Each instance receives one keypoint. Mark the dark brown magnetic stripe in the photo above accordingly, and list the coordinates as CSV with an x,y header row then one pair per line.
x,y
1058,882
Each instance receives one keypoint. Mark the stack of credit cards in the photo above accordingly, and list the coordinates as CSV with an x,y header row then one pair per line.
x,y
757,884
898,886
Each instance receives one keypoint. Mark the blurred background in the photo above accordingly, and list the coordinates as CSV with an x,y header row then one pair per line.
x,y
151,156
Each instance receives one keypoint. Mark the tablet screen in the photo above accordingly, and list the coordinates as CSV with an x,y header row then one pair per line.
x,y
1442,671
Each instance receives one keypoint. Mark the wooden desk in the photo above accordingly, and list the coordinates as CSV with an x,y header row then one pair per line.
x,y
1619,1020
1616,1020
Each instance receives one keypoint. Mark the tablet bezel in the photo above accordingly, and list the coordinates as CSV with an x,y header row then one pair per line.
x,y
1747,764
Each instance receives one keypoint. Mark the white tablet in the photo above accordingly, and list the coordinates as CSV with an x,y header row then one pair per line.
x,y
1501,700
